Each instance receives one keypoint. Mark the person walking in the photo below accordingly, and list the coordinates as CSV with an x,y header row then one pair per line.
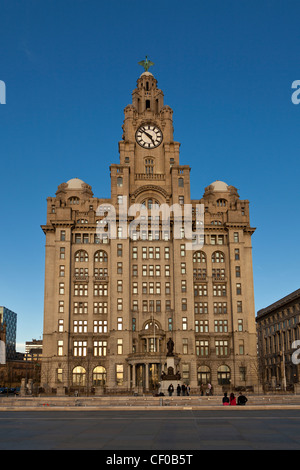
x,y
188,390
170,390
232,399
178,390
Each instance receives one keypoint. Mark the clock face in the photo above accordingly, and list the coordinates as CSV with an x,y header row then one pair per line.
x,y
149,136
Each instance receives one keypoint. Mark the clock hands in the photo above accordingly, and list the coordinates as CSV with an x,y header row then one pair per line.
x,y
147,134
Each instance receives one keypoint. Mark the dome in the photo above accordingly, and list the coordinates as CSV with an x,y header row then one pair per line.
x,y
219,186
148,74
75,183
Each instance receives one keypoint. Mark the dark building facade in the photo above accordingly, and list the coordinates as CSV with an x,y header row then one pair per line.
x,y
278,331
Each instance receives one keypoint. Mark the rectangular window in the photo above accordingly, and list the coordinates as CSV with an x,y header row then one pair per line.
x,y
236,237
237,271
120,324
119,374
185,346
80,348
100,307
240,325
60,326
62,252
202,348
61,306
119,304
184,323
119,346
80,326
62,235
236,254
61,288
100,348
219,290
120,268
201,307
99,290
60,348
238,289
184,304
221,347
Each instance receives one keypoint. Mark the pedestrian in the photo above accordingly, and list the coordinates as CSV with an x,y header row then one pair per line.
x,y
225,400
183,388
242,400
201,390
188,390
232,399
209,389
170,390
178,390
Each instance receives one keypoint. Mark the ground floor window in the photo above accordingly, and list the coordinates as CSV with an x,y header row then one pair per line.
x,y
78,376
99,376
224,375
203,375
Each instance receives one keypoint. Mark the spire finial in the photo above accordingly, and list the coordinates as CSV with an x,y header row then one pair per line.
x,y
146,64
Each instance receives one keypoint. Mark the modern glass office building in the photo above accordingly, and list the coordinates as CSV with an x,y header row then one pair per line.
x,y
10,319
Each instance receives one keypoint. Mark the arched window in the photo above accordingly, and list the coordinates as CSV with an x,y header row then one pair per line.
x,y
218,257
99,376
74,200
81,256
216,222
221,203
100,256
149,325
224,375
203,375
78,376
150,204
199,257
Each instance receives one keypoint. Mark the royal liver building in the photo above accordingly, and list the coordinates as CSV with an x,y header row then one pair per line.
x,y
133,301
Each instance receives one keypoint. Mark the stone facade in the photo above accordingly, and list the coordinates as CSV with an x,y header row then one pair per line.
x,y
112,304
278,328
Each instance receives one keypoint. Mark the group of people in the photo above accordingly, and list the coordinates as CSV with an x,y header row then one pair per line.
x,y
183,390
231,400
209,390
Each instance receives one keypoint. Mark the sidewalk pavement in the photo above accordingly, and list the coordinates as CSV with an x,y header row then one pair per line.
x,y
144,403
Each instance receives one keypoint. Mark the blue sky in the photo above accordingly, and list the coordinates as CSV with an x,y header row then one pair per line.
x,y
226,69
